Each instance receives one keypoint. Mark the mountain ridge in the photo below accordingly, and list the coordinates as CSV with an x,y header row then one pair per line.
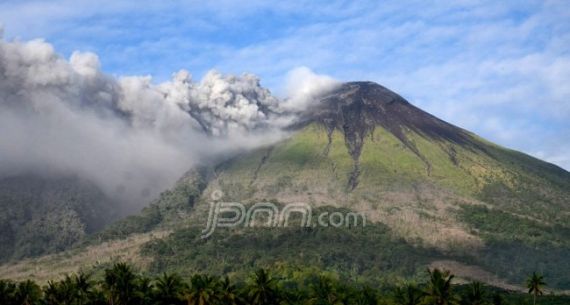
x,y
433,192
357,108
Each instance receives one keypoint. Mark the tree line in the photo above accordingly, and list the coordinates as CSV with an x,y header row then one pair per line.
x,y
122,285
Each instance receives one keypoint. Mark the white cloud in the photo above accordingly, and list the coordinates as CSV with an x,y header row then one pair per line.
x,y
303,86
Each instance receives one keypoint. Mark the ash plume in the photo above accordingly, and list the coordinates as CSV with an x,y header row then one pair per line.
x,y
131,137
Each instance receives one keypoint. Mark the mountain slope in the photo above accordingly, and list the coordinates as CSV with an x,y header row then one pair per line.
x,y
364,141
434,185
41,215
432,194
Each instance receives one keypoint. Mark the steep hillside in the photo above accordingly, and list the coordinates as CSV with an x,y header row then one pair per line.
x,y
366,148
41,215
432,194
434,185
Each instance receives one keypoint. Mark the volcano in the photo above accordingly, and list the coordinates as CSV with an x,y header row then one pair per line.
x,y
435,186
433,194
356,109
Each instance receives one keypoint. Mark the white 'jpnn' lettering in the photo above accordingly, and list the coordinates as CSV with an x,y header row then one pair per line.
x,y
233,214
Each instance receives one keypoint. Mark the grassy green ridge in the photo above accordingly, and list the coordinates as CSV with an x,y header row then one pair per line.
x,y
493,208
522,229
361,252
516,246
370,253
386,161
529,195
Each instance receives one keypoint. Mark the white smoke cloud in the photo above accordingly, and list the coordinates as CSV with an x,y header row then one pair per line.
x,y
229,102
303,86
131,137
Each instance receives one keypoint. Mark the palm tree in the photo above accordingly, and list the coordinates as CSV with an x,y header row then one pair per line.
x,y
409,294
366,296
120,284
169,289
7,291
262,289
144,292
202,290
228,293
51,294
324,292
497,299
28,293
439,291
293,293
60,293
535,283
476,293
83,287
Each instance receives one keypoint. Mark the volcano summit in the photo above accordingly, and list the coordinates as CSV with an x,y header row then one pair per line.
x,y
433,195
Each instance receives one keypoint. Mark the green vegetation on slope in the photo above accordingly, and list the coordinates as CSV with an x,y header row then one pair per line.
x,y
435,189
168,209
313,165
517,245
40,215
424,204
121,284
359,251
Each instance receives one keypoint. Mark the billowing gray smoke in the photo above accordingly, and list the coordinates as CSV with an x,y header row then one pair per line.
x,y
131,137
219,105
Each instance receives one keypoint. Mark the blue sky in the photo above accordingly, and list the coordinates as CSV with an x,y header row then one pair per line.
x,y
498,68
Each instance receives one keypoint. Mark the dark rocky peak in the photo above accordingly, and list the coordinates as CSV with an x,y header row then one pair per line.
x,y
357,108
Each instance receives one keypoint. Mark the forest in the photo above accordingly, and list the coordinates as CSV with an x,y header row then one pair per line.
x,y
122,284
